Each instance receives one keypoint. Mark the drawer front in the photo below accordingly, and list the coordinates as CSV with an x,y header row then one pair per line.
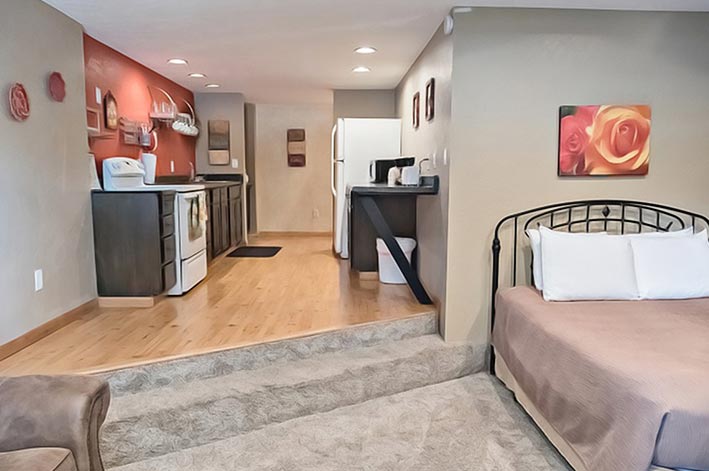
x,y
167,225
169,276
168,249
167,203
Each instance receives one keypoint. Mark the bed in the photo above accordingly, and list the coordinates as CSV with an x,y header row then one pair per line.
x,y
614,385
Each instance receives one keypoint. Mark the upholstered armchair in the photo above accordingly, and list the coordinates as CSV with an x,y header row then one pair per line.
x,y
52,422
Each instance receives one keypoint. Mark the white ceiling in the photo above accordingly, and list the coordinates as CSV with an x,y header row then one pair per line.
x,y
280,51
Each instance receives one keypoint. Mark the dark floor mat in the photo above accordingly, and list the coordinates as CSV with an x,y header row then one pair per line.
x,y
255,251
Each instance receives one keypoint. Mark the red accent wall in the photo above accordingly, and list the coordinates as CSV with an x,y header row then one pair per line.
x,y
127,80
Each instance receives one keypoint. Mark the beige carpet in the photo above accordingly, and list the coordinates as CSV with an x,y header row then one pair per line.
x,y
471,423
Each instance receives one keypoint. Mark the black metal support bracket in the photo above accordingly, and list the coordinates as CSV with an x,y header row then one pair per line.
x,y
384,232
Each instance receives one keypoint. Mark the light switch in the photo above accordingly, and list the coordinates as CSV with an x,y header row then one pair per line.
x,y
235,163
172,166
99,96
38,280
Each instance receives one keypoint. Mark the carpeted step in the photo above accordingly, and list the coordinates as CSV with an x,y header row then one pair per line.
x,y
468,424
175,372
164,420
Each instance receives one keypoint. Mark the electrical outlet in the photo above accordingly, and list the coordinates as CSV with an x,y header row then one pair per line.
x,y
316,213
99,96
38,280
235,163
172,166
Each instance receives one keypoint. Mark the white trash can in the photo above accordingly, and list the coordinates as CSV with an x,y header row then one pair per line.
x,y
388,270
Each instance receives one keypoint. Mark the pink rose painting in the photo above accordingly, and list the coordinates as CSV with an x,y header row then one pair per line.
x,y
604,140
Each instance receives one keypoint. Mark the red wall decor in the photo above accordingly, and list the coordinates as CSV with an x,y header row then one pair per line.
x,y
19,102
128,81
56,86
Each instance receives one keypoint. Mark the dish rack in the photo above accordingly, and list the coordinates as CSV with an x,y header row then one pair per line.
x,y
164,110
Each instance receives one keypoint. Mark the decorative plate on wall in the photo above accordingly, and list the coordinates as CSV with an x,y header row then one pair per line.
x,y
57,87
19,102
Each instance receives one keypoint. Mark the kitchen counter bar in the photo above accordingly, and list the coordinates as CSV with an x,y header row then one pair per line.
x,y
379,210
428,186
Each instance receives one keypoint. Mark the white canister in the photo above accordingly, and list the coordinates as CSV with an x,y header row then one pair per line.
x,y
150,162
410,176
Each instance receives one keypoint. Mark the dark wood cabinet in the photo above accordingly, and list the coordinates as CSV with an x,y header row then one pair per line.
x,y
134,241
225,229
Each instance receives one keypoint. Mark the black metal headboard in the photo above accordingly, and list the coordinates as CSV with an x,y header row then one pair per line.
x,y
614,216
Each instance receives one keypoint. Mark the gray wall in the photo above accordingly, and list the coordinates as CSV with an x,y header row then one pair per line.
x,y
429,140
293,199
228,106
511,71
364,104
45,179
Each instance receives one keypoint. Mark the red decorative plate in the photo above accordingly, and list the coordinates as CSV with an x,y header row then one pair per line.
x,y
19,102
57,88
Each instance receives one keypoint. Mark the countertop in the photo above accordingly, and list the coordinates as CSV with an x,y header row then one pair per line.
x,y
428,185
218,184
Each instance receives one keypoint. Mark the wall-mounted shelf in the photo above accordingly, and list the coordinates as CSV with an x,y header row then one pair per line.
x,y
93,133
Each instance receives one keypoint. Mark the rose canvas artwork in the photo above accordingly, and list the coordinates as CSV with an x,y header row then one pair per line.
x,y
604,140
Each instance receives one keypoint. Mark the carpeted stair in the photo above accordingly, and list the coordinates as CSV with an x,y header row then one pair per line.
x,y
169,407
467,424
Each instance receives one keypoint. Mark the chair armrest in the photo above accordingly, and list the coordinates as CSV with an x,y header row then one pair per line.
x,y
54,411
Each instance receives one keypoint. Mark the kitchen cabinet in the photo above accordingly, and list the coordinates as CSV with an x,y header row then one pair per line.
x,y
236,227
225,229
134,242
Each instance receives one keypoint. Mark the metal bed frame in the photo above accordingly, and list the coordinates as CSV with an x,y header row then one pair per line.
x,y
610,215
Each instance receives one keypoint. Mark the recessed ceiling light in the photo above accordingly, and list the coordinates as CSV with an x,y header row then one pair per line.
x,y
212,85
361,69
197,75
177,61
365,50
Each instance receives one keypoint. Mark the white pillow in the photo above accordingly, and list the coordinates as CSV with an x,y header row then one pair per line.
x,y
535,242
672,268
578,266
659,235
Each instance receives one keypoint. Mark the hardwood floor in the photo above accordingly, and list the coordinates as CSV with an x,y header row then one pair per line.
x,y
302,290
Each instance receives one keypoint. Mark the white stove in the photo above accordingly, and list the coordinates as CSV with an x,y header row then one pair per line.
x,y
190,212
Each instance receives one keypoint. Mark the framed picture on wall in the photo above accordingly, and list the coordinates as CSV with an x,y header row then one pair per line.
x,y
110,111
218,142
605,140
430,99
416,110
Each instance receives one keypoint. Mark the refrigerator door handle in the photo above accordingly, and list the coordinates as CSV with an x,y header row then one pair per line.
x,y
334,161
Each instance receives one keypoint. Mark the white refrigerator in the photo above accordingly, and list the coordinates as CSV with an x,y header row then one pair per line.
x,y
355,143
